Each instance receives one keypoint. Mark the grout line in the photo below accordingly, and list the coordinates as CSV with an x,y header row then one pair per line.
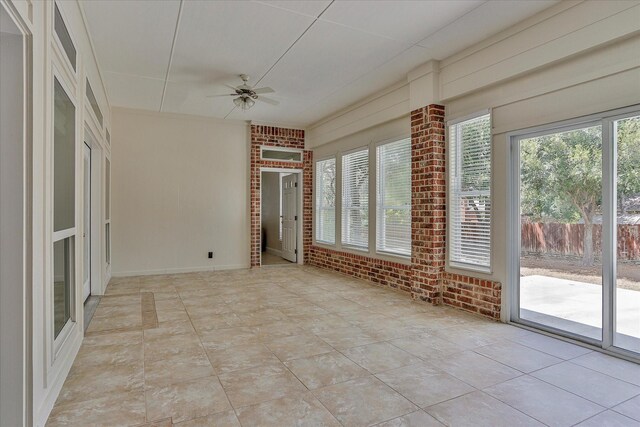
x,y
173,46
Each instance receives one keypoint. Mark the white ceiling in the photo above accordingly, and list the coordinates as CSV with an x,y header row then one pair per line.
x,y
319,56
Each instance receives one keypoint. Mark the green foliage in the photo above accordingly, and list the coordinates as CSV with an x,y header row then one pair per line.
x,y
628,141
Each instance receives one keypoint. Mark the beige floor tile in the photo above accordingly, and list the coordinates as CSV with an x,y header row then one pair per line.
x,y
279,328
517,356
185,344
630,408
592,385
87,382
222,419
477,409
219,339
544,402
129,321
100,411
414,419
609,419
325,369
474,369
297,346
166,422
363,401
616,368
172,315
552,346
241,357
166,330
380,357
208,322
344,338
260,384
424,384
108,355
179,368
187,400
300,410
427,346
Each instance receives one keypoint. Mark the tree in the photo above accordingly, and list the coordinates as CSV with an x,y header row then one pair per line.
x,y
562,179
561,175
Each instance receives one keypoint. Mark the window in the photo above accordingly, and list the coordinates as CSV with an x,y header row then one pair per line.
x,y
326,201
470,193
64,37
393,197
64,140
355,199
281,154
94,103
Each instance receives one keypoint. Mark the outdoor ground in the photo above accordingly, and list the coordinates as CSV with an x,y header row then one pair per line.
x,y
571,269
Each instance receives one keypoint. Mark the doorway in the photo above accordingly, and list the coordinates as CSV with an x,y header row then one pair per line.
x,y
279,217
576,225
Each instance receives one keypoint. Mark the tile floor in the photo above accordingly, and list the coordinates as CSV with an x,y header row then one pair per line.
x,y
299,346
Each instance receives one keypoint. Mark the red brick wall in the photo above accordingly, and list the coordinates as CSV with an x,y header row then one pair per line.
x,y
472,294
428,202
425,278
279,137
392,274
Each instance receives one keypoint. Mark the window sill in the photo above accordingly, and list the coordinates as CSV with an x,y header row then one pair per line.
x,y
460,268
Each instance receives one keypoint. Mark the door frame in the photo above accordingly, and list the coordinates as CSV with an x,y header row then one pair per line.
x,y
609,166
299,207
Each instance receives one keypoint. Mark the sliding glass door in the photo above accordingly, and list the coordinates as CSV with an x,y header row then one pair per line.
x,y
576,223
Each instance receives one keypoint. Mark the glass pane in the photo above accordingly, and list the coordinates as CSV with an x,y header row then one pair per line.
x,y
107,193
292,156
65,38
355,199
62,283
94,104
561,231
326,201
627,313
64,156
393,188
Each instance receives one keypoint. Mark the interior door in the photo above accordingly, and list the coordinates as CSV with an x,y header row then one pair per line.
x,y
289,217
86,231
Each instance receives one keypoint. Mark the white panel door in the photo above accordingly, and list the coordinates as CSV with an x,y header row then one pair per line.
x,y
86,231
289,217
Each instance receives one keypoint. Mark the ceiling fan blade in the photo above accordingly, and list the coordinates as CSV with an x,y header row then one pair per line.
x,y
222,94
268,100
263,90
230,87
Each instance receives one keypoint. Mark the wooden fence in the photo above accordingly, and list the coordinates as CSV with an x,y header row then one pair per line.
x,y
567,240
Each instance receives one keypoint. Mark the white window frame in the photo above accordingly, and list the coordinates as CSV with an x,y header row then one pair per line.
x,y
456,264
370,214
378,221
317,209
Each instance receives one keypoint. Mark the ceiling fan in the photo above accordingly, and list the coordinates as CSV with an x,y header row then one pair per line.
x,y
247,95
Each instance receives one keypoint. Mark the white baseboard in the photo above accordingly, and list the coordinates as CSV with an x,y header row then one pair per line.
x,y
275,252
178,270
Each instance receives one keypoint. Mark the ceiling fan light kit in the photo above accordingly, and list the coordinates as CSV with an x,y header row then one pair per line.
x,y
247,96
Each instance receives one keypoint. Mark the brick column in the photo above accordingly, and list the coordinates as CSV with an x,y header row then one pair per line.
x,y
428,202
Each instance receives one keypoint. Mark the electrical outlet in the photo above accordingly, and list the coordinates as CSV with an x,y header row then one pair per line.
x,y
210,255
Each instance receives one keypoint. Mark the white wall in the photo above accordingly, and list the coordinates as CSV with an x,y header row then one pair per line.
x,y
179,190
13,358
270,205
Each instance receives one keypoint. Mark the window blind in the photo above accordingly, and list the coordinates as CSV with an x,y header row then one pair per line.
x,y
355,199
470,192
326,201
393,191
